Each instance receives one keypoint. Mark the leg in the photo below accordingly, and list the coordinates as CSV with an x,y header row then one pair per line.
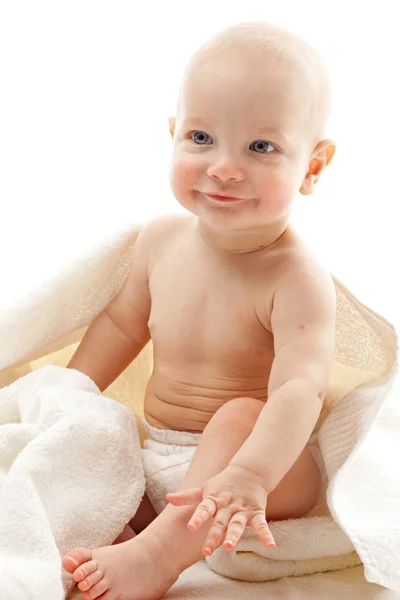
x,y
144,516
126,534
295,495
149,564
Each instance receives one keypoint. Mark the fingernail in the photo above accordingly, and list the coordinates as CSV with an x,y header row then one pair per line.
x,y
208,551
230,544
192,525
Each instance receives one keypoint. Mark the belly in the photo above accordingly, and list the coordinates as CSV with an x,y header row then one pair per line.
x,y
185,398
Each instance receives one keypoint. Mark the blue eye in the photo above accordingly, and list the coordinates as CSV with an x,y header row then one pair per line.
x,y
261,147
199,137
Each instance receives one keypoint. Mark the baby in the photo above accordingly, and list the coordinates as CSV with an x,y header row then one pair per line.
x,y
240,313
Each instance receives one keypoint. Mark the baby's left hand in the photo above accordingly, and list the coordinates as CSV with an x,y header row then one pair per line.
x,y
235,499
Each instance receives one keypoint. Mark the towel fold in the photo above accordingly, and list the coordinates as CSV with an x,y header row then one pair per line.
x,y
70,475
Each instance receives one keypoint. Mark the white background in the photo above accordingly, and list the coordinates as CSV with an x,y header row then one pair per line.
x,y
85,92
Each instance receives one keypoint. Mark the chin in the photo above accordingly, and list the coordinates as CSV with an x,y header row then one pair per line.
x,y
224,221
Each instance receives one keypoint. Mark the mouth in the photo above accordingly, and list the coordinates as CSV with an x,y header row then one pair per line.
x,y
224,199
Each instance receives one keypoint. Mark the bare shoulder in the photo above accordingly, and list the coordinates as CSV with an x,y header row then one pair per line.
x,y
302,291
304,297
155,234
303,319
162,227
301,271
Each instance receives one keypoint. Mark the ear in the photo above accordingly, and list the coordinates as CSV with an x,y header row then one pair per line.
x,y
172,123
320,159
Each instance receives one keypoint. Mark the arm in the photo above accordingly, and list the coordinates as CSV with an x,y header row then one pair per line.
x,y
303,326
120,332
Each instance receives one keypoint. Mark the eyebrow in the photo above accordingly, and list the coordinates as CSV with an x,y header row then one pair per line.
x,y
275,131
189,120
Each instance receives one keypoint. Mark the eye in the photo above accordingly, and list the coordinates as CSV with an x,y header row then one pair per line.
x,y
261,146
200,137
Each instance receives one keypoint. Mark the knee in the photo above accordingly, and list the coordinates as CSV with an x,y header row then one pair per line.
x,y
241,412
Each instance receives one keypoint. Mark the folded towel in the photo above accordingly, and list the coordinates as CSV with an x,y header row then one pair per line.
x,y
70,475
51,316
358,432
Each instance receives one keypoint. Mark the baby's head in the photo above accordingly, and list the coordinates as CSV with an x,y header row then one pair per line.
x,y
250,125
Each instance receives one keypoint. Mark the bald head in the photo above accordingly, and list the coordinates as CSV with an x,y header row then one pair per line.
x,y
263,48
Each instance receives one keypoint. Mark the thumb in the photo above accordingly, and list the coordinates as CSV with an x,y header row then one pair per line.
x,y
186,497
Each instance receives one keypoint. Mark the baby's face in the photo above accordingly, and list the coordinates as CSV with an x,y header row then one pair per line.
x,y
240,133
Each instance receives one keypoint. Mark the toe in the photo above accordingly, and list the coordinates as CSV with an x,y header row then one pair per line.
x,y
75,558
90,581
97,590
84,570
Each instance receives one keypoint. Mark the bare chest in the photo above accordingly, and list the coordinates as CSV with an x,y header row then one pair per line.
x,y
211,312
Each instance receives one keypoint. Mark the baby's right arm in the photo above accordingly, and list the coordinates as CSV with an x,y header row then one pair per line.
x,y
120,332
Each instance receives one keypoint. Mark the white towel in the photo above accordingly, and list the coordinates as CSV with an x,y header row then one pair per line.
x,y
70,475
358,431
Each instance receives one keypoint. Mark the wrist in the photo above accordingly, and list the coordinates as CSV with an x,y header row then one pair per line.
x,y
247,468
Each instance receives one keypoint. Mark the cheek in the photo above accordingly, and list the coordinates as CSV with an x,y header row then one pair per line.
x,y
183,175
277,190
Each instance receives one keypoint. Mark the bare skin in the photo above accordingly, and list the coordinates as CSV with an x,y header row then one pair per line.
x,y
146,566
125,570
241,316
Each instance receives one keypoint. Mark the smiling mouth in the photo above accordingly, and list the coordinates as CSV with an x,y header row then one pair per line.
x,y
218,198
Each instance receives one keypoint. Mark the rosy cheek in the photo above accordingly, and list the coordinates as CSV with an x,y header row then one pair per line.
x,y
276,194
182,177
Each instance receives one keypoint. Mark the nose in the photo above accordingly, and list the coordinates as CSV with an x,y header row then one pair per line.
x,y
225,170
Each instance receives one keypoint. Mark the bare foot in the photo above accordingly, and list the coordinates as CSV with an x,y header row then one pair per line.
x,y
139,568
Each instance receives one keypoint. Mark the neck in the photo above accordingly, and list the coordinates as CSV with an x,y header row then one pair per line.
x,y
242,241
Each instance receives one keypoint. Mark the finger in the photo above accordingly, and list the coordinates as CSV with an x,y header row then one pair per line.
x,y
260,526
236,526
217,531
203,513
186,497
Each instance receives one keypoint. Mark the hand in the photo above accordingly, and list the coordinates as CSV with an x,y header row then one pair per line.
x,y
235,499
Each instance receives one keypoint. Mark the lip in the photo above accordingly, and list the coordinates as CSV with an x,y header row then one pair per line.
x,y
219,198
